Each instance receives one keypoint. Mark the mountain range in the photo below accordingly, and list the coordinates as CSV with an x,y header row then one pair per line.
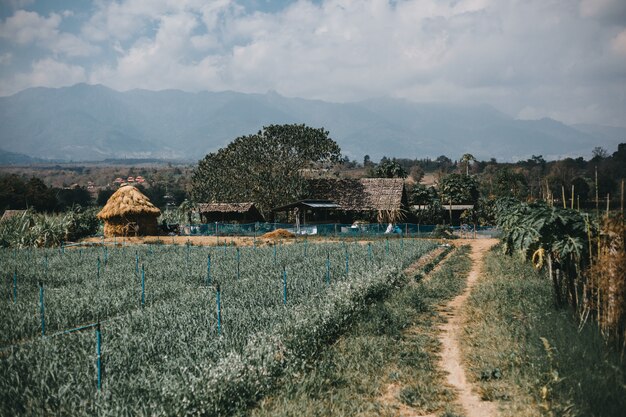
x,y
93,122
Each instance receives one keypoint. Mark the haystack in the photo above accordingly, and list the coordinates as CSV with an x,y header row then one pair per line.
x,y
278,234
129,213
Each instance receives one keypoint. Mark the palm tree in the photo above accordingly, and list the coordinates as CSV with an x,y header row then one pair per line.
x,y
466,158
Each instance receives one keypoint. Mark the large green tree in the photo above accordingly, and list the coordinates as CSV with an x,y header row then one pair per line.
x,y
264,168
458,189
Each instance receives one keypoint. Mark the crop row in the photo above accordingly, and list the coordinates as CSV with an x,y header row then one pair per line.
x,y
169,352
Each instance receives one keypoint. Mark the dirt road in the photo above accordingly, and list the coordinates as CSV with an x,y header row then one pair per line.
x,y
451,360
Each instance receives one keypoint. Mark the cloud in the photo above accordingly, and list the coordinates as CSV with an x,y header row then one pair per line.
x,y
567,63
613,11
619,43
45,72
25,28
5,59
16,4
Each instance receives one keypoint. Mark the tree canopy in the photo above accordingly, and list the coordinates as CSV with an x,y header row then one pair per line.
x,y
265,168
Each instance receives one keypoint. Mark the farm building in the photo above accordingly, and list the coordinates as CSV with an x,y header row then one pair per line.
x,y
229,213
129,213
346,200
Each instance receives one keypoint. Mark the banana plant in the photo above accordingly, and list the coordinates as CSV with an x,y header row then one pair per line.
x,y
552,237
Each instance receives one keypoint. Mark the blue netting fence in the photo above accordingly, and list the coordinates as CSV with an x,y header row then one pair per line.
x,y
334,229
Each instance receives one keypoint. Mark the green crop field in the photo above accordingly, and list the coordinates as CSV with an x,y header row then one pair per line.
x,y
165,349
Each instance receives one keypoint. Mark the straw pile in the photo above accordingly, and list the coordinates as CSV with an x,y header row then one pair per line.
x,y
129,213
279,234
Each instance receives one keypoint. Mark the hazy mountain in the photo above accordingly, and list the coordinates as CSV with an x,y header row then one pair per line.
x,y
92,122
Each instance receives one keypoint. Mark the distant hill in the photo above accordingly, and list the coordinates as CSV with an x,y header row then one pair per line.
x,y
93,122
12,158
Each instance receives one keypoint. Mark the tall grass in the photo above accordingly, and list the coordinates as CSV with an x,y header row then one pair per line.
x,y
31,229
386,363
531,356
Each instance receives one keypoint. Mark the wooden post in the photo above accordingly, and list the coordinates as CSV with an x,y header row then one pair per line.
x,y
622,199
572,207
607,205
563,196
597,199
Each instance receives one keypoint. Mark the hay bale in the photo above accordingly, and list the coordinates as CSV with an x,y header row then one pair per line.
x,y
279,234
129,213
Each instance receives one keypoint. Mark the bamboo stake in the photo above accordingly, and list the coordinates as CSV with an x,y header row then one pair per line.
x,y
607,205
597,199
572,197
563,196
622,199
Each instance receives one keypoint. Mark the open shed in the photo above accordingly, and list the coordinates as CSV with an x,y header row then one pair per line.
x,y
229,213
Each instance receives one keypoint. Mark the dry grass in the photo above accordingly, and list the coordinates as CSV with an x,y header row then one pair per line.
x,y
278,234
608,278
128,201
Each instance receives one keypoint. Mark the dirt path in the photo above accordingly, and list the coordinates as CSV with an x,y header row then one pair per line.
x,y
451,360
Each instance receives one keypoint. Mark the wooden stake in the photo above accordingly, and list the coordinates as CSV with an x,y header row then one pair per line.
x,y
607,205
597,199
563,196
622,199
572,207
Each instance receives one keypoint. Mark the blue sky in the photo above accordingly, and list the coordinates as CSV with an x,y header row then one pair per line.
x,y
564,59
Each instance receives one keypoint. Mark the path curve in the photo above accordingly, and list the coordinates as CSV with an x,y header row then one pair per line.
x,y
451,359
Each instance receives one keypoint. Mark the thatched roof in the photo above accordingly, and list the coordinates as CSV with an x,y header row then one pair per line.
x,y
225,207
11,213
381,194
128,200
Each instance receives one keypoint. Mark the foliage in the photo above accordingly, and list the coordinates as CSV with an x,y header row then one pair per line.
x,y
548,364
43,230
263,168
459,189
392,343
509,183
167,358
482,214
389,169
584,259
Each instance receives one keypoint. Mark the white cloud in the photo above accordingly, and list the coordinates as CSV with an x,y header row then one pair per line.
x,y
529,57
619,43
44,73
5,59
17,4
25,28
607,10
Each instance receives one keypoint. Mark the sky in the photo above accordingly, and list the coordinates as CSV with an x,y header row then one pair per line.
x,y
564,59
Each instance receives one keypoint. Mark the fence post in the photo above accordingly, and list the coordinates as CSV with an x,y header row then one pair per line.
x,y
347,263
219,310
238,259
369,250
99,356
98,270
42,310
328,268
143,286
15,285
284,286
208,270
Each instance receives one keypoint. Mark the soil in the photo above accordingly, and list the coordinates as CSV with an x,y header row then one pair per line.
x,y
451,360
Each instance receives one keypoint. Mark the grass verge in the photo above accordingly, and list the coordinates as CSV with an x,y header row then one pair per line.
x,y
385,365
531,357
